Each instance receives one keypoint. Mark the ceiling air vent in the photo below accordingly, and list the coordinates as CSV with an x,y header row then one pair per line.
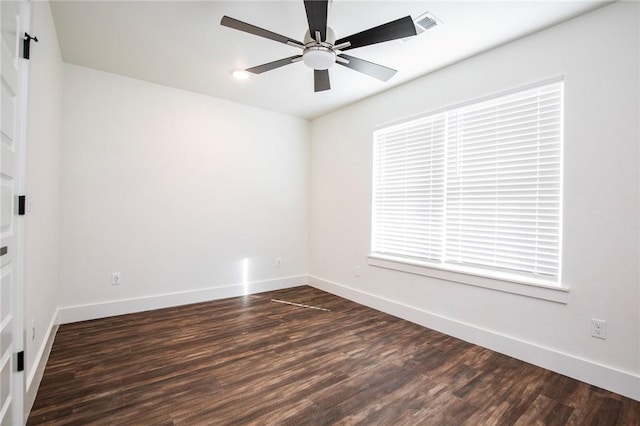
x,y
425,22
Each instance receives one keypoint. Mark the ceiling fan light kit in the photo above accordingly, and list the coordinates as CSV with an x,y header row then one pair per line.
x,y
319,58
318,54
321,50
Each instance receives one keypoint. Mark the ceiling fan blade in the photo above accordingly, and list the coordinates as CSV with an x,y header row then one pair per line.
x,y
321,80
400,28
369,68
261,32
273,65
317,17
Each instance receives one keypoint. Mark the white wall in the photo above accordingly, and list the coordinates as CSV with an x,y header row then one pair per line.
x,y
598,55
42,175
187,196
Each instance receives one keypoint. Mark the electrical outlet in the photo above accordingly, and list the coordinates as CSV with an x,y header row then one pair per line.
x,y
278,262
357,270
115,278
598,328
33,329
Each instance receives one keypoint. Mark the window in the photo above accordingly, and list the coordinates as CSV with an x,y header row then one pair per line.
x,y
475,188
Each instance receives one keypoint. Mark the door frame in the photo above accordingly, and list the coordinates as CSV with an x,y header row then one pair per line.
x,y
18,308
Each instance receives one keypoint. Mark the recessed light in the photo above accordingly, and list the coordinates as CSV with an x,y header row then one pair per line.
x,y
240,74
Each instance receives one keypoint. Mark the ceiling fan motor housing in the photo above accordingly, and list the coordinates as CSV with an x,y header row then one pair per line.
x,y
319,55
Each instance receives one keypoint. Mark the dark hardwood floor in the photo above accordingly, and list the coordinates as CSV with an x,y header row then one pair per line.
x,y
249,360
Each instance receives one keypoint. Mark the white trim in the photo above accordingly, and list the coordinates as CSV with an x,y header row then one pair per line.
x,y
68,314
18,387
622,382
42,351
522,287
37,370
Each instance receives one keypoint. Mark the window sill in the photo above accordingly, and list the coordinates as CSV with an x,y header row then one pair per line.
x,y
533,288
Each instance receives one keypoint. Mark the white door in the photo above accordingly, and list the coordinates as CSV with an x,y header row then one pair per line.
x,y
13,86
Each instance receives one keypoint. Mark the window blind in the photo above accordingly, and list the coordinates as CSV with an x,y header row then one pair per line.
x,y
408,206
477,186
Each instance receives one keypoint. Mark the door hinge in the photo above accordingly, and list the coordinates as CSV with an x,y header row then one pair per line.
x,y
26,45
20,361
22,205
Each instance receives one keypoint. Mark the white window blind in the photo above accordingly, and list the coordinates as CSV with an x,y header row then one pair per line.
x,y
474,187
408,206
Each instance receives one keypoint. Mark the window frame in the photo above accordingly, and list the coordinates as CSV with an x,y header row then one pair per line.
x,y
531,286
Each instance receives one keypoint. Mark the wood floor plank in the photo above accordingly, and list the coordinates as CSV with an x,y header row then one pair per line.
x,y
545,411
249,360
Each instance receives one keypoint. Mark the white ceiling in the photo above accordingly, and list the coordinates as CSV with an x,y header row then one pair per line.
x,y
181,44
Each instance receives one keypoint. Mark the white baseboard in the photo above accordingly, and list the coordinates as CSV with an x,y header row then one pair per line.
x,y
37,371
68,314
612,379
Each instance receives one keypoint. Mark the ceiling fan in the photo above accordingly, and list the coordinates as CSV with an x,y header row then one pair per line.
x,y
320,49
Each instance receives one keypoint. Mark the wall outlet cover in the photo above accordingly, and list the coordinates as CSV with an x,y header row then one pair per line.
x,y
598,328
